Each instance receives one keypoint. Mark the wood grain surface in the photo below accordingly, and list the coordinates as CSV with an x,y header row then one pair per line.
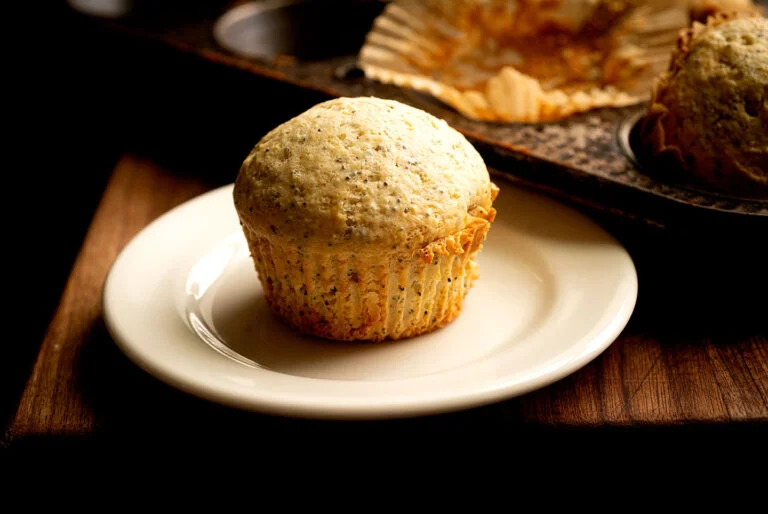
x,y
137,193
685,359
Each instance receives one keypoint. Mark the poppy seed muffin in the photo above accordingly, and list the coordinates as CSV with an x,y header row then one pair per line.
x,y
363,217
710,110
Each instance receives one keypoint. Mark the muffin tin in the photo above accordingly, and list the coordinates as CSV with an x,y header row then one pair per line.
x,y
588,158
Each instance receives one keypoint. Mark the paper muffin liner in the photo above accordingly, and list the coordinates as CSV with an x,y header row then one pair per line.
x,y
481,57
359,296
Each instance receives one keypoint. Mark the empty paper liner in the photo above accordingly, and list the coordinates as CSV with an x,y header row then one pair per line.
x,y
524,60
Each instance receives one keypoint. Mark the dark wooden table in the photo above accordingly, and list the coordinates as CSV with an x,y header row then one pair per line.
x,y
658,373
693,357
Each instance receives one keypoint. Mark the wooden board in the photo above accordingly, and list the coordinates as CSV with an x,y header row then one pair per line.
x,y
685,359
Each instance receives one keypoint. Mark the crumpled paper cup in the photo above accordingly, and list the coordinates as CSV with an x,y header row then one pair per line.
x,y
524,60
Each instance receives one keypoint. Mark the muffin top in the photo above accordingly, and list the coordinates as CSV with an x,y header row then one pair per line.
x,y
362,174
711,108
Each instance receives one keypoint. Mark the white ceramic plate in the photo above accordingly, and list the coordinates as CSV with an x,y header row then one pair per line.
x,y
183,302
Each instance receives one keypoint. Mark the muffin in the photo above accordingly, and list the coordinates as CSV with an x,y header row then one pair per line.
x,y
363,217
709,112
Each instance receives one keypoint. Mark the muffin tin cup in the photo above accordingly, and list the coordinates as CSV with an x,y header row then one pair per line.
x,y
304,30
666,169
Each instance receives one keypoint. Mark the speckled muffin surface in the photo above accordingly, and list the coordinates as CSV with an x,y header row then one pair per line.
x,y
363,217
364,174
710,110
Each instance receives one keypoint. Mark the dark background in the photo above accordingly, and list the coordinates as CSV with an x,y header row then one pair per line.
x,y
81,96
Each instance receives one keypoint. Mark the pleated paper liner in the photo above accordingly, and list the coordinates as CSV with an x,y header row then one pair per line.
x,y
349,296
525,60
